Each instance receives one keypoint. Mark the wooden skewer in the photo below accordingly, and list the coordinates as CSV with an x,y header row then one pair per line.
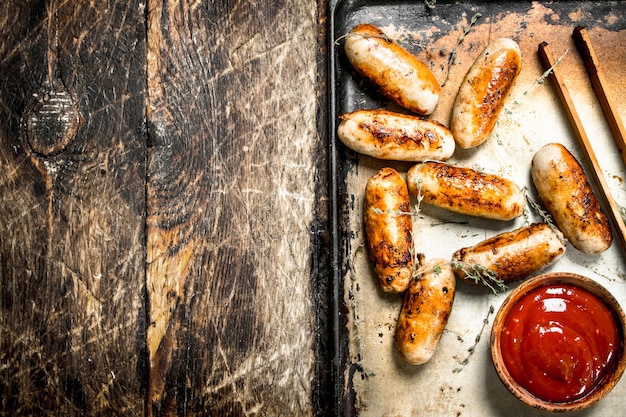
x,y
605,194
583,43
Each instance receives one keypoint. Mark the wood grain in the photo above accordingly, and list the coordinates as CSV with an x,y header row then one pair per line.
x,y
231,196
604,192
163,228
598,82
72,200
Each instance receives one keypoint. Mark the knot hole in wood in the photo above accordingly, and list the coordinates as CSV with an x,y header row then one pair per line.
x,y
52,121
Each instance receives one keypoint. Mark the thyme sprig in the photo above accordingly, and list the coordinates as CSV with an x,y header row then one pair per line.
x,y
414,213
364,36
545,216
547,73
459,41
419,197
538,81
376,210
480,274
472,348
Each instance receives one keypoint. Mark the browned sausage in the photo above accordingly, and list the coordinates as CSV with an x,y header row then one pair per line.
x,y
425,311
565,192
482,94
394,136
389,229
398,74
464,190
511,256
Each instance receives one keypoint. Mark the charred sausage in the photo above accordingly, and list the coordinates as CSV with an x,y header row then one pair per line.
x,y
395,136
510,256
425,311
389,229
464,190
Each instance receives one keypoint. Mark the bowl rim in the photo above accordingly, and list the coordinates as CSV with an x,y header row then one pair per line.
x,y
608,382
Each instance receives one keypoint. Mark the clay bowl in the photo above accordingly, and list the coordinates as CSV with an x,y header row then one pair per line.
x,y
603,387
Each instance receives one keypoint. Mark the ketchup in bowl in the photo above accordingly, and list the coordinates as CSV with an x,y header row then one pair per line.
x,y
558,341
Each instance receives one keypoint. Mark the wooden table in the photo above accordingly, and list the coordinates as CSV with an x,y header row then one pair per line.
x,y
163,214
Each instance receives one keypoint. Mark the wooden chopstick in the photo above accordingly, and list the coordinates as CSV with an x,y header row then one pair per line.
x,y
605,194
583,43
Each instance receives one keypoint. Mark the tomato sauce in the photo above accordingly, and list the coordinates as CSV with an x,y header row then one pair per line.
x,y
559,341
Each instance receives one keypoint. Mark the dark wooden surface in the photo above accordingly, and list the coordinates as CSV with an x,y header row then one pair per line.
x,y
163,219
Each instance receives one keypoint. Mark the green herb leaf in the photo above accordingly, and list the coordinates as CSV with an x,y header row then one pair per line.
x,y
472,349
481,275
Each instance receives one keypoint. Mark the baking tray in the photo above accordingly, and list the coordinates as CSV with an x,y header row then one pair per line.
x,y
370,377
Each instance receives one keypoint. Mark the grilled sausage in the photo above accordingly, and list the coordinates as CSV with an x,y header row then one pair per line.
x,y
464,190
511,256
565,192
425,311
389,229
397,74
394,136
482,94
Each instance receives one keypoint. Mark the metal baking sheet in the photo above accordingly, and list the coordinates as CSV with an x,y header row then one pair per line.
x,y
371,378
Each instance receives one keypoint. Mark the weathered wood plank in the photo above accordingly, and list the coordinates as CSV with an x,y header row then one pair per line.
x,y
231,207
321,275
72,208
